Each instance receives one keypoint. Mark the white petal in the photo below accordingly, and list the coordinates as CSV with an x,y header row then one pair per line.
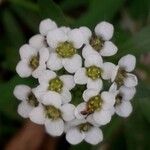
x,y
93,60
127,62
54,127
65,29
74,136
81,107
65,96
80,76
54,62
39,70
21,92
46,76
113,88
91,120
23,69
37,115
108,99
108,49
55,37
127,93
104,30
124,109
68,112
102,117
72,64
68,81
46,25
87,94
51,98
131,80
95,84
108,68
76,37
44,55
24,109
26,51
94,136
88,51
37,41
114,73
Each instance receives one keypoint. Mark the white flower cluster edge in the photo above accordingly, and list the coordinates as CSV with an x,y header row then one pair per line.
x,y
61,58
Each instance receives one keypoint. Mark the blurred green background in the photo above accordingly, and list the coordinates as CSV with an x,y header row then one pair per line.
x,y
19,20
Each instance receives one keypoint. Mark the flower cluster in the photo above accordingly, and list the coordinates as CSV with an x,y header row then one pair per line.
x,y
61,58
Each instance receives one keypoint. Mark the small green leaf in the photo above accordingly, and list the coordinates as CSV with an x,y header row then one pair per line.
x,y
48,9
82,146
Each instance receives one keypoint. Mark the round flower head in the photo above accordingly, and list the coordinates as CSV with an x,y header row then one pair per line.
x,y
92,73
28,100
97,105
121,73
46,25
122,106
65,45
57,86
99,42
32,62
53,115
80,130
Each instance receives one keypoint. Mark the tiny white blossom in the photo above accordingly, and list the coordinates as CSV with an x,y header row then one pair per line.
x,y
99,42
80,130
96,104
28,100
58,86
32,62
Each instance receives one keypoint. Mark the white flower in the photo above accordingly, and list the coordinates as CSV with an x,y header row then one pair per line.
x,y
99,42
28,100
32,61
97,105
122,105
46,25
66,45
80,130
53,115
58,86
121,73
91,73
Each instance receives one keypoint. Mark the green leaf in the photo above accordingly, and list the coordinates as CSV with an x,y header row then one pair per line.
x,y
82,146
48,9
99,10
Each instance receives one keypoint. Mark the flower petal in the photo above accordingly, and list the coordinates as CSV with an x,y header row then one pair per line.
x,y
74,136
65,29
54,62
113,88
94,136
86,32
80,76
55,37
39,70
102,117
124,109
21,92
51,98
37,115
65,96
104,30
87,94
127,62
95,84
37,41
23,69
24,109
108,68
108,49
81,107
68,112
44,55
46,76
93,60
46,25
54,127
72,64
68,81
26,52
131,80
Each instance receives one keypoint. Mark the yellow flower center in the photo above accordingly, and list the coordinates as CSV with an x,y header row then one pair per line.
x,y
118,100
85,127
34,62
32,100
